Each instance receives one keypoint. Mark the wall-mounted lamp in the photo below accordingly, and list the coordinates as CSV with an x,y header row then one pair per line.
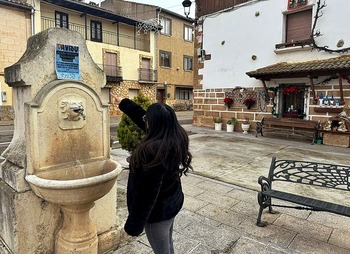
x,y
187,6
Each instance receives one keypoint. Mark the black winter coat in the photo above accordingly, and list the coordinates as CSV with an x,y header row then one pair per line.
x,y
153,195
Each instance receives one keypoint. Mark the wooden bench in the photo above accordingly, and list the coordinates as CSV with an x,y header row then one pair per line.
x,y
303,172
289,126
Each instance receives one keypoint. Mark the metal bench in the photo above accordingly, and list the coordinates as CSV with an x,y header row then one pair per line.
x,y
289,126
303,172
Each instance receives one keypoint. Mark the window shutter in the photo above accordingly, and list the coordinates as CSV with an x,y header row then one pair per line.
x,y
111,64
298,26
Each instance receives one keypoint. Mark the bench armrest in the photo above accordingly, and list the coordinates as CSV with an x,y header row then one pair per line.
x,y
265,183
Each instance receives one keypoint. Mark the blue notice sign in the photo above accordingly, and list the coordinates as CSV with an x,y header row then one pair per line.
x,y
67,62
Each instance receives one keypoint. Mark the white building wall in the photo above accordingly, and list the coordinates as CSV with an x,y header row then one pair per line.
x,y
232,37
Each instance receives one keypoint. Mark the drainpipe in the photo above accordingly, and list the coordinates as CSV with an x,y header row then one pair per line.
x,y
33,20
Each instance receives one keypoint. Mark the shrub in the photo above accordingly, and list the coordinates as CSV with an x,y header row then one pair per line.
x,y
129,134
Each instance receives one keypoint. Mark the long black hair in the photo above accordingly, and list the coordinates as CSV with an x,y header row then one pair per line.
x,y
165,144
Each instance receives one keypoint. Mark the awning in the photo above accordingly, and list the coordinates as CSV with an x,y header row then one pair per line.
x,y
311,69
334,67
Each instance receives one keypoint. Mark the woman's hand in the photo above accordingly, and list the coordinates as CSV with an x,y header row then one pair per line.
x,y
116,99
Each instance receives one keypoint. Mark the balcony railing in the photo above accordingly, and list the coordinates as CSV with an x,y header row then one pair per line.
x,y
113,73
121,40
148,75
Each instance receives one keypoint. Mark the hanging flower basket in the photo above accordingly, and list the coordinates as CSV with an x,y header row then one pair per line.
x,y
249,103
289,90
228,101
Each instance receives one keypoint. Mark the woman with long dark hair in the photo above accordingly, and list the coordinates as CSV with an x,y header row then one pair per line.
x,y
154,192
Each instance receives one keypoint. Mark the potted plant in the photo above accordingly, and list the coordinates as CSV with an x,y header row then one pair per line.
x,y
228,101
231,124
249,102
218,123
245,125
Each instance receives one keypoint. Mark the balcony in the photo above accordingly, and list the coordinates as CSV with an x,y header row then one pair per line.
x,y
148,75
113,73
121,40
301,43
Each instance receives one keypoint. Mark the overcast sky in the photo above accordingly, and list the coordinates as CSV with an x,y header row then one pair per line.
x,y
171,5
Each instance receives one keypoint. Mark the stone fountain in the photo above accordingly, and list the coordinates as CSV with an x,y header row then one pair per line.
x,y
58,163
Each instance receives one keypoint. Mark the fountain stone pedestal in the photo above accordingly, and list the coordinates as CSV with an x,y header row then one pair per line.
x,y
59,158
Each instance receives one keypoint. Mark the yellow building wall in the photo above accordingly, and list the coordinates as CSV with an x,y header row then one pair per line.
x,y
179,48
129,57
15,30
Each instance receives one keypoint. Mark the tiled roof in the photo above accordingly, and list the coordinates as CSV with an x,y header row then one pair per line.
x,y
313,68
18,3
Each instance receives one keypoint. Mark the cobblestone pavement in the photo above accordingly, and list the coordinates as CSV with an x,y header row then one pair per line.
x,y
221,206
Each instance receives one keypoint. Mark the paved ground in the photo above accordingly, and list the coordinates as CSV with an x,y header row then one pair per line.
x,y
221,208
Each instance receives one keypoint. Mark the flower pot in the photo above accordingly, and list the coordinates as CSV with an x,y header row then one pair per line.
x,y
245,128
218,126
230,127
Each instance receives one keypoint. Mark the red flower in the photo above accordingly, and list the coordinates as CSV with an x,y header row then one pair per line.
x,y
228,101
249,102
288,90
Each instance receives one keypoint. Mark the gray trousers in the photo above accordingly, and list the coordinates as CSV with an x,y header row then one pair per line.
x,y
160,236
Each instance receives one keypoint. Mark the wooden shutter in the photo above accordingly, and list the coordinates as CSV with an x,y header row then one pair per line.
x,y
111,64
298,26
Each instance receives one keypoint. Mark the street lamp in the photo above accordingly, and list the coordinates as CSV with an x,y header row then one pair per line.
x,y
187,6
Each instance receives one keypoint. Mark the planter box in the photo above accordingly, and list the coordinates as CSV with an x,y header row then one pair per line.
x,y
333,139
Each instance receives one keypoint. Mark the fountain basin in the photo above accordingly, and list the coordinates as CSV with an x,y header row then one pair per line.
x,y
75,184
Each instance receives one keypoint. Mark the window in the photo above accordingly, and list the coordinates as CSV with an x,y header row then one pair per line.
x,y
166,24
293,101
96,31
165,59
61,19
133,93
183,93
292,4
111,60
298,26
188,66
188,36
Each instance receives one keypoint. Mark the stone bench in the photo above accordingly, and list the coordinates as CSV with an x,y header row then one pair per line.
x,y
308,173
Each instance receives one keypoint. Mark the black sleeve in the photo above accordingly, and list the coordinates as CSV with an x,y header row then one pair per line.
x,y
134,111
146,190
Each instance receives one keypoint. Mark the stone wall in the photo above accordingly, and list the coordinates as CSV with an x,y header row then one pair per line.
x,y
208,103
122,90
